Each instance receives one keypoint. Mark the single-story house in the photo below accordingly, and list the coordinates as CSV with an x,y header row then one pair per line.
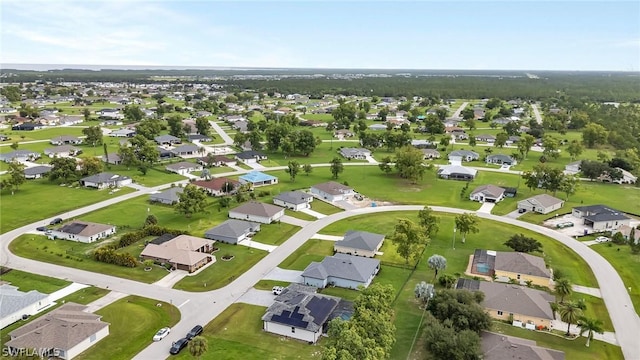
x,y
257,212
65,140
300,313
218,186
600,217
359,243
257,178
28,126
501,159
487,193
167,140
232,231
110,114
19,155
113,159
573,168
183,167
16,304
83,231
430,154
527,306
376,127
501,347
62,151
164,154
341,270
123,133
36,172
542,204
629,233
103,180
486,138
627,177
169,196
198,137
457,172
183,252
332,191
294,200
421,143
250,156
111,123
355,153
342,133
465,155
186,150
217,160
63,333
511,266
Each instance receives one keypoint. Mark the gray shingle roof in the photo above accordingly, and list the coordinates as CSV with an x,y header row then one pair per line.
x,y
361,240
171,194
13,300
545,200
293,197
521,263
332,188
516,299
231,228
37,170
490,190
258,209
103,177
598,213
504,347
342,266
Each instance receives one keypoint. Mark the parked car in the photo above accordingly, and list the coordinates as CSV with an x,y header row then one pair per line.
x,y
55,221
277,290
161,334
564,225
197,330
601,239
522,211
42,228
177,346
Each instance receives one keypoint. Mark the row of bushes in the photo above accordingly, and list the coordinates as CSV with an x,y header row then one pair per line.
x,y
110,256
150,230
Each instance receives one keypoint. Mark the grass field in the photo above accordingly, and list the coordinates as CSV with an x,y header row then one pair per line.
x,y
299,215
27,281
324,208
269,284
275,234
42,134
311,250
627,265
134,320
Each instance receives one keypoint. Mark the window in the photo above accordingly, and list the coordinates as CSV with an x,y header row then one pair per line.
x,y
293,329
499,312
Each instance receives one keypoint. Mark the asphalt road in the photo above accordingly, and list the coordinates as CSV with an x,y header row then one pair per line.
x,y
536,113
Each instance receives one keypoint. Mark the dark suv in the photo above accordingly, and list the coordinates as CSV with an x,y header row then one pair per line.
x,y
197,330
55,221
177,346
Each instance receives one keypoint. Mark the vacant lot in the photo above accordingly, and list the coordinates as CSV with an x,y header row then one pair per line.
x,y
27,281
627,265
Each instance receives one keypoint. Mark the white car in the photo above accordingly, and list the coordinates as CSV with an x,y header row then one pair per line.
x,y
601,239
161,334
277,290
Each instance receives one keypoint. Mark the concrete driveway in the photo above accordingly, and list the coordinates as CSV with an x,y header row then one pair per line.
x,y
294,221
486,207
284,275
514,214
257,297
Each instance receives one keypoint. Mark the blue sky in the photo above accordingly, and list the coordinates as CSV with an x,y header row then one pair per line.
x,y
530,35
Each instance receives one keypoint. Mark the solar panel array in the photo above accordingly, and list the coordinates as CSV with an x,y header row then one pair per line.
x,y
320,308
292,318
73,228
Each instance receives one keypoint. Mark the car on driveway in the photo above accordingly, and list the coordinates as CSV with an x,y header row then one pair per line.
x,y
55,221
602,239
197,330
277,290
161,334
177,346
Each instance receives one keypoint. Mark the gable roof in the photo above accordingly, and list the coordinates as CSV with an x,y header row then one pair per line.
x,y
171,194
13,300
457,169
166,138
41,169
180,249
301,307
293,197
521,263
258,209
185,149
464,153
504,347
64,138
257,176
501,157
60,149
515,299
491,190
249,154
84,228
598,213
231,228
544,200
347,152
216,184
342,266
183,165
332,188
361,240
104,177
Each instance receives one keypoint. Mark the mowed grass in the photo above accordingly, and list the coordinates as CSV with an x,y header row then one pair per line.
x,y
311,250
222,272
40,199
26,281
134,320
275,234
596,309
627,265
237,334
324,208
299,215
269,284
42,134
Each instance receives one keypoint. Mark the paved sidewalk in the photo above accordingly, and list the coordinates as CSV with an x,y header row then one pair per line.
x,y
587,290
67,290
257,245
327,237
294,221
608,336
284,275
108,299
315,214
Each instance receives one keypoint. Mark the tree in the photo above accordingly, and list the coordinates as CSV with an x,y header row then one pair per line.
x,y
470,123
175,126
437,262
524,144
501,139
307,168
151,220
14,145
467,223
12,93
149,128
445,140
570,312
461,308
198,346
409,163
133,113
16,177
336,167
255,139
305,142
433,125
145,153
594,134
563,288
590,326
593,169
384,165
429,222
472,140
446,343
293,168
86,113
551,147
93,135
275,134
63,169
408,239
521,243
423,291
193,200
574,149
569,185
203,126
90,166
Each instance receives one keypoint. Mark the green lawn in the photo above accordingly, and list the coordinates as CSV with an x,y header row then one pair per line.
x,y
311,250
42,134
221,273
627,265
39,199
155,176
269,284
275,234
237,334
299,215
596,309
27,281
324,208
134,320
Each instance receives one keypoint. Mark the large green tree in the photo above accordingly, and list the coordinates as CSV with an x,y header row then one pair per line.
x,y
63,169
570,312
522,243
336,167
293,168
203,126
574,149
409,239
133,113
16,177
429,222
467,223
409,163
525,143
193,200
93,135
594,134
444,342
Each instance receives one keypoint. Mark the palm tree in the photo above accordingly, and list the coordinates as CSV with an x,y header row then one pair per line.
x,y
437,262
198,346
570,312
563,288
589,325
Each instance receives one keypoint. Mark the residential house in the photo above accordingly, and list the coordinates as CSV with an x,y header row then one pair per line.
x,y
62,151
65,140
182,252
503,347
522,305
216,160
341,134
430,154
114,114
486,138
235,118
421,144
300,313
111,123
64,333
542,204
332,191
164,154
257,212
627,177
572,168
242,126
341,270
183,167
501,159
377,127
600,217
355,153
113,159
104,180
167,140
478,114
16,304
629,233
511,266
19,155
169,196
512,140
27,126
487,193
250,157
232,231
359,243
457,172
36,172
83,231
198,137
465,155
257,179
218,186
293,200
123,133
186,150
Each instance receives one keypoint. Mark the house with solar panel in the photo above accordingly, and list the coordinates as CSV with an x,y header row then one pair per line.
x,y
83,231
341,270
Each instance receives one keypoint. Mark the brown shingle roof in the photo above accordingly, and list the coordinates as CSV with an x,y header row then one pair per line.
x,y
332,188
216,184
84,228
179,250
258,209
516,299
